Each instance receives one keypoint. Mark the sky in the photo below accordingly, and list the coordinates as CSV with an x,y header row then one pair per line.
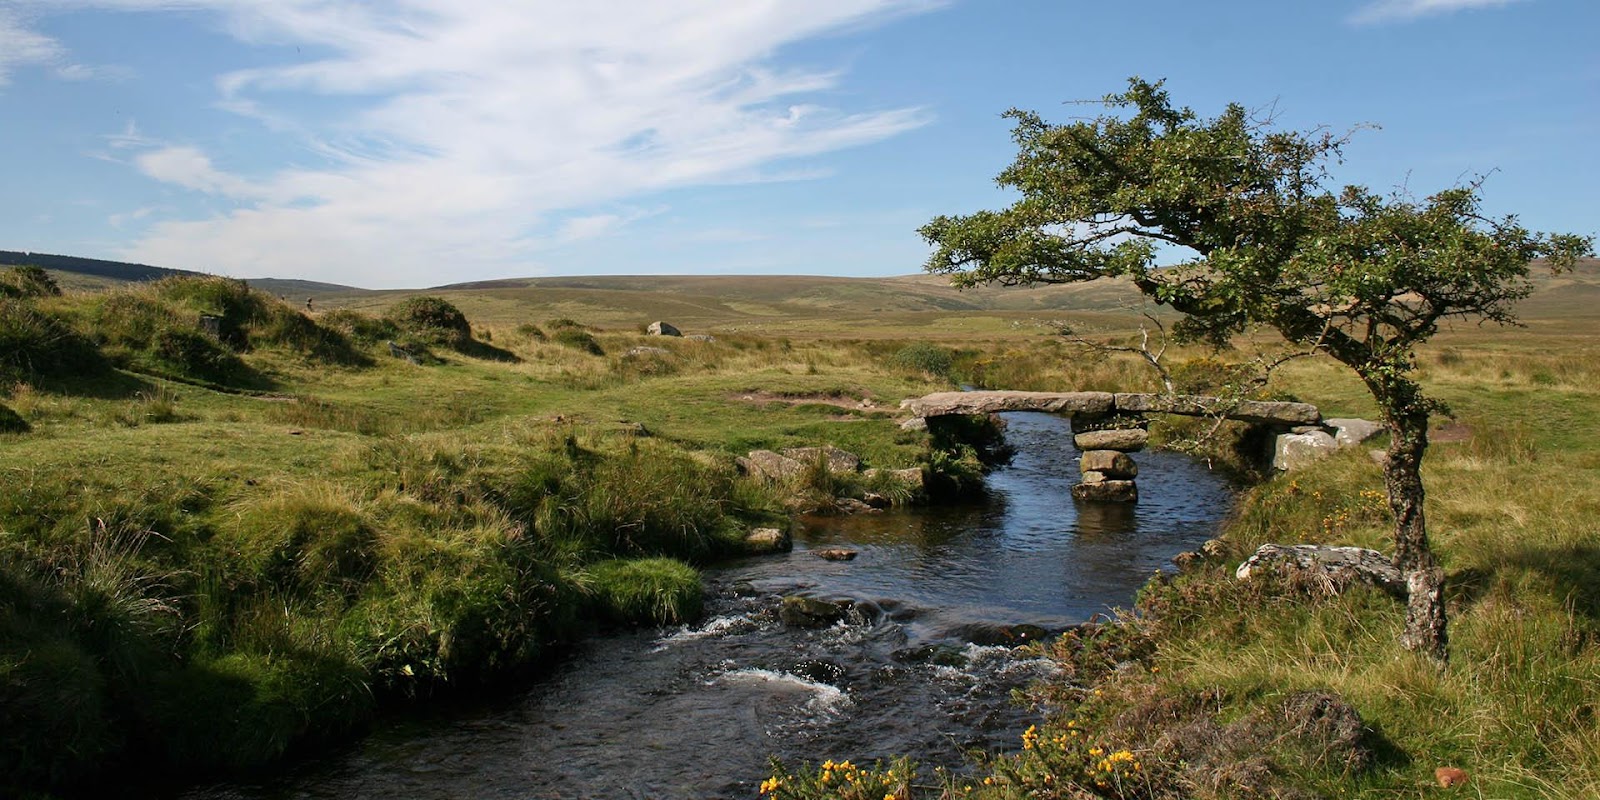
x,y
412,143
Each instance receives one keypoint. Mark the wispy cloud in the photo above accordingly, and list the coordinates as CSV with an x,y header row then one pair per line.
x,y
22,46
478,131
1381,11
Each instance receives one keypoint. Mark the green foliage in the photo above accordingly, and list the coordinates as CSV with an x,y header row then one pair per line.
x,y
646,591
35,344
432,319
359,327
578,339
925,357
28,281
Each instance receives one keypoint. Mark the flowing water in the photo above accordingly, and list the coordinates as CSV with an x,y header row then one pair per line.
x,y
923,666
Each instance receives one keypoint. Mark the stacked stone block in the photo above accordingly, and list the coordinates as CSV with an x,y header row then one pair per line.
x,y
1108,470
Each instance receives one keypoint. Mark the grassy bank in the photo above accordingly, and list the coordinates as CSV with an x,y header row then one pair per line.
x,y
229,529
1275,688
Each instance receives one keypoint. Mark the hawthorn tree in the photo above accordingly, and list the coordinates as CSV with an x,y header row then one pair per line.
x,y
1264,240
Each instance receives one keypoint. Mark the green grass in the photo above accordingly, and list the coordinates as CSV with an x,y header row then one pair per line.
x,y
219,545
647,591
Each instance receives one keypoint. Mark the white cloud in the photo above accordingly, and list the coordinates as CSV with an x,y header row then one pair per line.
x,y
192,169
472,127
1403,10
20,46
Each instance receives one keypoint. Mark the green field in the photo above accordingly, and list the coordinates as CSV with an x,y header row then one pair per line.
x,y
287,527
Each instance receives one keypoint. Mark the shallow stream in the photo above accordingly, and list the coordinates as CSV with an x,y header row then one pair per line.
x,y
922,667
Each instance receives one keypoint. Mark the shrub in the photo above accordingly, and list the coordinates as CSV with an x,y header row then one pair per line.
x,y
925,357
36,344
647,591
578,339
1208,375
28,281
432,319
359,327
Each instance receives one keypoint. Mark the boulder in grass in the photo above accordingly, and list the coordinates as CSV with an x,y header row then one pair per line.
x,y
1332,568
910,477
659,328
1351,432
1293,451
838,460
770,466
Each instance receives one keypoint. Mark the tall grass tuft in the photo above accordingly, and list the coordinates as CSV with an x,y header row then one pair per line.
x,y
646,591
35,344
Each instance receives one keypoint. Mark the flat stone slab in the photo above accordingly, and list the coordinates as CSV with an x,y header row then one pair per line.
x,y
1267,412
942,404
1127,440
1334,567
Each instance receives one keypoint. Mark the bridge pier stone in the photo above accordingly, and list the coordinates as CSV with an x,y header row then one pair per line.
x,y
1108,471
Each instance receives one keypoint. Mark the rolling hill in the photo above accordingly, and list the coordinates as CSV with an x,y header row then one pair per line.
x,y
788,304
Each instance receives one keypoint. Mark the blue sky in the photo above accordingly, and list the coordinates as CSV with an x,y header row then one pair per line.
x,y
404,143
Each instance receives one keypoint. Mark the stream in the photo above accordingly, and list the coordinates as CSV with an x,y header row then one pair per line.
x,y
923,666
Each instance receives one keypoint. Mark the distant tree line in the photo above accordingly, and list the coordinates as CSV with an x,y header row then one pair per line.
x,y
118,270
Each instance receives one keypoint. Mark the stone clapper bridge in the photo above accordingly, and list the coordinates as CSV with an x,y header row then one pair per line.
x,y
1108,426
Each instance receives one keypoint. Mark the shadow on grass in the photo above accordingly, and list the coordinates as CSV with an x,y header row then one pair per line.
x,y
1572,570
487,352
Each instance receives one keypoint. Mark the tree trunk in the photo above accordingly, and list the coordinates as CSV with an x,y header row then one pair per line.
x,y
1402,475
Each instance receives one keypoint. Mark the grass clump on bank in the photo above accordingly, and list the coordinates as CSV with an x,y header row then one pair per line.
x,y
646,591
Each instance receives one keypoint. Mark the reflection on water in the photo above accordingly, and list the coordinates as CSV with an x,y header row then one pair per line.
x,y
696,711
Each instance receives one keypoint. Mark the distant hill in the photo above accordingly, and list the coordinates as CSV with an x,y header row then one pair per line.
x,y
114,270
771,302
74,272
295,289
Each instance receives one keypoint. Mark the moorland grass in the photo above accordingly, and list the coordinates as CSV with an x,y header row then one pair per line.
x,y
217,546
